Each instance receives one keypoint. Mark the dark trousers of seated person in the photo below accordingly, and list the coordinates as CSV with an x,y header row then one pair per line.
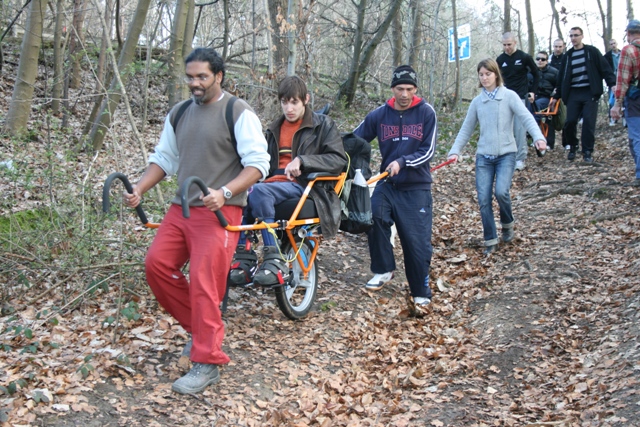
x,y
262,201
581,104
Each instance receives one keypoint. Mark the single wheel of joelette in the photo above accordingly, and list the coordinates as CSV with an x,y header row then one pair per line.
x,y
296,297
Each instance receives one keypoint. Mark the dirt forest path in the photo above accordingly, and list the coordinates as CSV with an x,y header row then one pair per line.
x,y
542,333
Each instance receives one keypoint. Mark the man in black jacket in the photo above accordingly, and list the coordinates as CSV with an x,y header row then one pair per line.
x,y
558,53
580,87
514,66
613,58
300,142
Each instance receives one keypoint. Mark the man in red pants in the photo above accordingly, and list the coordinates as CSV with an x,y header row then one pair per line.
x,y
201,144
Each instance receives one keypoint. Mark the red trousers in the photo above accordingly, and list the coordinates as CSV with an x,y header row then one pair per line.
x,y
201,240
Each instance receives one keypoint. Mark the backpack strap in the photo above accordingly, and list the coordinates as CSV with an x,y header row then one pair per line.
x,y
229,117
180,112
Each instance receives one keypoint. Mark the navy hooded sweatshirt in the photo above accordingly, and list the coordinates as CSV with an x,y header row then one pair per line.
x,y
408,137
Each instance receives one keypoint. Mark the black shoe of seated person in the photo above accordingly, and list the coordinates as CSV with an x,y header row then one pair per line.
x,y
243,266
273,270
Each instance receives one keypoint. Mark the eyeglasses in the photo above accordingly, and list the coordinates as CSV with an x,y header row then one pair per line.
x,y
541,59
189,79
575,35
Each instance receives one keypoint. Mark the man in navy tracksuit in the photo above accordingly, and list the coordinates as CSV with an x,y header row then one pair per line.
x,y
406,130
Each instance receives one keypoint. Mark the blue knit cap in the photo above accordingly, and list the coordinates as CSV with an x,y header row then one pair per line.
x,y
634,26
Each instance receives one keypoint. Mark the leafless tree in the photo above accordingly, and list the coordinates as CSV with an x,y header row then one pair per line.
x,y
20,106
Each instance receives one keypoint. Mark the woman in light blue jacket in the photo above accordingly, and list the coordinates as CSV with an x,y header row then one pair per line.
x,y
495,109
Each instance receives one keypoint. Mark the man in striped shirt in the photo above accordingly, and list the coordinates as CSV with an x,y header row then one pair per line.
x,y
579,85
627,90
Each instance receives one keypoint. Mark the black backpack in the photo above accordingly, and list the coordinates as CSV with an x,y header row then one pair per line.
x,y
356,216
359,152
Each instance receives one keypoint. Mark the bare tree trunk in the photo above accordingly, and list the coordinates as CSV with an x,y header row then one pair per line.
x,y
556,20
189,30
433,54
607,23
101,126
362,57
629,10
519,21
20,106
531,34
507,16
76,46
416,33
100,69
225,37
58,59
396,42
175,85
269,40
254,35
292,39
456,95
150,43
280,48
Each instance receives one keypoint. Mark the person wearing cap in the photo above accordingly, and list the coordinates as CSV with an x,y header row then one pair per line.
x,y
405,127
579,85
627,92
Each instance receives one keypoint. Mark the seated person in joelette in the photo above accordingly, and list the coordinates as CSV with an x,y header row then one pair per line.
x,y
300,142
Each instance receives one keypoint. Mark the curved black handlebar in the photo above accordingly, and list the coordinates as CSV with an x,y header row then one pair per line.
x,y
127,185
184,193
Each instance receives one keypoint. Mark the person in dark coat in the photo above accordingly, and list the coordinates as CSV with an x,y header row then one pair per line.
x,y
546,87
300,142
558,53
515,66
580,87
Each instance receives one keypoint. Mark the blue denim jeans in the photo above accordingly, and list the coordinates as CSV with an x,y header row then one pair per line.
x,y
633,125
498,169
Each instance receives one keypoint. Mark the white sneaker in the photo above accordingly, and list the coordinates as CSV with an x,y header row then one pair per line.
x,y
567,147
418,306
421,301
520,165
624,122
378,281
612,122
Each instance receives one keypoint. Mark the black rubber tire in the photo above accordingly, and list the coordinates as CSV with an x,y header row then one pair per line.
x,y
297,299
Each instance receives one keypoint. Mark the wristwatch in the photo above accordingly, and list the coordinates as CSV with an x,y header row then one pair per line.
x,y
226,192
